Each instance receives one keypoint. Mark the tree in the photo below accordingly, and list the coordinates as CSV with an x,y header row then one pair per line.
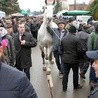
x,y
9,6
93,7
58,7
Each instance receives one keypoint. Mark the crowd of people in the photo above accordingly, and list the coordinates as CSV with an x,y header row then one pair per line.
x,y
70,44
16,42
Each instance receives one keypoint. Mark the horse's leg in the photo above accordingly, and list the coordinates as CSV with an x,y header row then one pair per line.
x,y
47,56
43,56
48,67
49,52
51,57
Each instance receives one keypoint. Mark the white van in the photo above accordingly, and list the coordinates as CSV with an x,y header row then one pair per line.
x,y
83,18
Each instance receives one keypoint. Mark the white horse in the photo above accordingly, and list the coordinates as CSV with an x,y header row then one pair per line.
x,y
45,40
76,24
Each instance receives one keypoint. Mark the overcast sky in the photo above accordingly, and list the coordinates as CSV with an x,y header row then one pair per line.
x,y
37,4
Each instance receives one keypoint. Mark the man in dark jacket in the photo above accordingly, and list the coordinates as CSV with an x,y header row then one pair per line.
x,y
10,50
58,34
94,56
92,44
24,41
71,49
14,83
34,26
84,62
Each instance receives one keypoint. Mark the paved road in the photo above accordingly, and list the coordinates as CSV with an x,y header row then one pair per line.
x,y
39,81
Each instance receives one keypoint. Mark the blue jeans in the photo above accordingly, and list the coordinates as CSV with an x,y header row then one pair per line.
x,y
84,64
58,59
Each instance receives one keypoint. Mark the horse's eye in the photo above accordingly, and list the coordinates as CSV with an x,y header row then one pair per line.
x,y
45,7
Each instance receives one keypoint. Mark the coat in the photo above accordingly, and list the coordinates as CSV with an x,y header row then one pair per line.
x,y
10,56
23,52
14,83
92,41
71,49
55,32
83,36
94,93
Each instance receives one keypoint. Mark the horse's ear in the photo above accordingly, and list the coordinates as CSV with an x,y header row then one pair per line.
x,y
54,2
46,2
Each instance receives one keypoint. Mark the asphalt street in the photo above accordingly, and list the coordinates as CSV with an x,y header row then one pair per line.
x,y
39,80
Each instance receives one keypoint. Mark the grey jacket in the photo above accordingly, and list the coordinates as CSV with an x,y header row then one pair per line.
x,y
94,93
71,49
10,50
55,32
14,83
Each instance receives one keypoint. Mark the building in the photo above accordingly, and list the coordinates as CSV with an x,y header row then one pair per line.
x,y
91,1
65,5
82,6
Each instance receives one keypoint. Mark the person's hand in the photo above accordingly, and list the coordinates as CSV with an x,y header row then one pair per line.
x,y
23,42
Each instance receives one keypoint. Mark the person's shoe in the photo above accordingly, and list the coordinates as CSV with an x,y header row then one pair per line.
x,y
78,87
61,75
92,83
91,88
64,90
82,76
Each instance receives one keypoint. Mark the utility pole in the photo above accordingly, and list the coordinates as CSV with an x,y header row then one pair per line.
x,y
0,5
75,4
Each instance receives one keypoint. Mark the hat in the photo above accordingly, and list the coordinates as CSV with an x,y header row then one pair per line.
x,y
61,22
92,54
72,29
8,26
86,26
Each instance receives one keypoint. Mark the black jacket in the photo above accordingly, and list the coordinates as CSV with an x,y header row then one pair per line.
x,y
10,55
14,83
71,49
23,52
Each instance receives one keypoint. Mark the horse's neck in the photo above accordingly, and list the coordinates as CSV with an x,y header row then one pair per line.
x,y
45,20
44,24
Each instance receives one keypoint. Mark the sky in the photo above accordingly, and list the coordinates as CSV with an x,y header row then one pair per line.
x,y
36,5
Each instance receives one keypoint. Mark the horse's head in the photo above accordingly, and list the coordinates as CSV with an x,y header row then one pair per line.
x,y
76,24
49,8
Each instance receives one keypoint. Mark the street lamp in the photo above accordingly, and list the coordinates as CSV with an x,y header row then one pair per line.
x,y
74,4
0,5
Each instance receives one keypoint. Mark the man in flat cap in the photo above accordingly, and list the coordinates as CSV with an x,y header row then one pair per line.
x,y
94,56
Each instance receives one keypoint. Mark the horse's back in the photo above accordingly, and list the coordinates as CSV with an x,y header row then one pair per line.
x,y
43,36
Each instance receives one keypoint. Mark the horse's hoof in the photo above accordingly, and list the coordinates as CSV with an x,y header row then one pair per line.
x,y
47,58
44,68
51,62
48,71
